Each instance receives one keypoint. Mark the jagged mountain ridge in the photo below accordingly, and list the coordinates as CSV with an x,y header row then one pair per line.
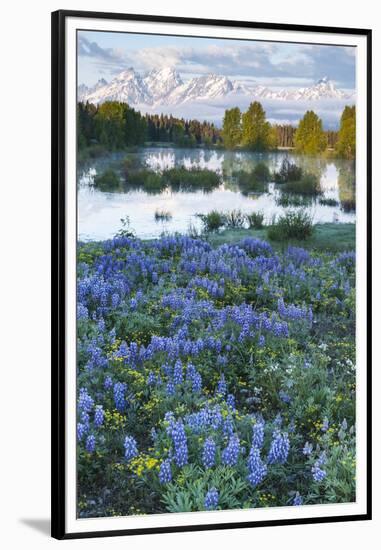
x,y
166,87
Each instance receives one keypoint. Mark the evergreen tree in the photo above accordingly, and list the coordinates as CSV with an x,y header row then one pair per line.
x,y
310,137
257,133
346,143
231,128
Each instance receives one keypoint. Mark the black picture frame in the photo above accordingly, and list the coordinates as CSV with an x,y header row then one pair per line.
x,y
58,529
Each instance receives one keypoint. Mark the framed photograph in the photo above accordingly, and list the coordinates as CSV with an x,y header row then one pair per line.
x,y
211,190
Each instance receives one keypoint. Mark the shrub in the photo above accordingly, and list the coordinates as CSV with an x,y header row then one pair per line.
x,y
348,205
96,151
212,221
131,165
234,219
309,184
108,180
147,179
289,199
248,181
288,171
328,202
261,172
255,220
291,225
193,178
162,216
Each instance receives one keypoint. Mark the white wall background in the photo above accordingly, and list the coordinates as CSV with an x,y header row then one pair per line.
x,y
25,272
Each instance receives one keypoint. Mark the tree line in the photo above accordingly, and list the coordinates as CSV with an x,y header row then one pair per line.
x,y
116,125
253,131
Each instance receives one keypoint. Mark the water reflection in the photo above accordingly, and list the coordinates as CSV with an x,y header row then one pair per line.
x,y
99,212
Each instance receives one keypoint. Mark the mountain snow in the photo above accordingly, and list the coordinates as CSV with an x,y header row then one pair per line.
x,y
166,87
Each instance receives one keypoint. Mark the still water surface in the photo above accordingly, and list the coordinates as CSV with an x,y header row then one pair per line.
x,y
100,213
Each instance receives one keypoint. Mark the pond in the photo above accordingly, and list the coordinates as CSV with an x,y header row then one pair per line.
x,y
100,212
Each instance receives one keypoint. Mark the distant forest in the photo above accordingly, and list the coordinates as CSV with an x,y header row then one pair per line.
x,y
115,126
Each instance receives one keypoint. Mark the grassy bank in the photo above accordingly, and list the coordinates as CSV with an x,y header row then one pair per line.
x,y
333,237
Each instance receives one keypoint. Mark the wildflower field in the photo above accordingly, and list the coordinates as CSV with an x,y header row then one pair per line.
x,y
213,377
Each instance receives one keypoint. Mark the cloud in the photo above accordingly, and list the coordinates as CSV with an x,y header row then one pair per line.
x,y
265,62
111,58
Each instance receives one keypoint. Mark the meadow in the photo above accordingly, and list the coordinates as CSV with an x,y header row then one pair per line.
x,y
215,373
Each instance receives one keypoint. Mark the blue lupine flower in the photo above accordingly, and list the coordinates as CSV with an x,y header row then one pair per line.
x,y
221,385
230,400
178,373
318,473
165,472
298,500
85,401
307,449
81,430
130,448
258,433
179,439
197,383
90,444
119,397
108,382
325,425
85,417
209,453
231,452
211,499
170,388
98,416
151,380
257,468
279,448
284,397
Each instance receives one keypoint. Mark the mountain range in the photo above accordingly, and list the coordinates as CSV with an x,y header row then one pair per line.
x,y
165,86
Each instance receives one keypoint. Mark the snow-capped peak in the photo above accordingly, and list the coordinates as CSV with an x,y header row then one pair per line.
x,y
164,86
160,82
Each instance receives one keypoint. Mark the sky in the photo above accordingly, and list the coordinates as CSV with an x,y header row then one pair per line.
x,y
273,64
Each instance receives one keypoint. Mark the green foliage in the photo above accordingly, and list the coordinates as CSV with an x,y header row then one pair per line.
x,y
212,221
291,199
291,225
163,215
346,143
234,219
126,230
309,184
309,137
181,178
327,201
257,133
116,125
288,171
248,182
107,181
232,128
255,220
261,172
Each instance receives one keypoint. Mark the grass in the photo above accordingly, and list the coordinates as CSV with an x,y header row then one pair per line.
x,y
255,220
289,199
328,202
162,216
309,184
191,178
107,181
249,182
329,237
291,225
